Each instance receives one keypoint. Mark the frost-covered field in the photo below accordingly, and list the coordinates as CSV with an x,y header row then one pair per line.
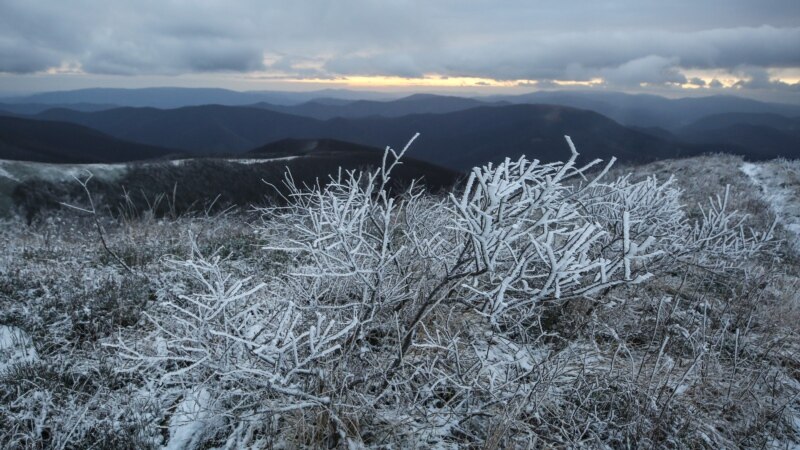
x,y
537,306
14,172
779,183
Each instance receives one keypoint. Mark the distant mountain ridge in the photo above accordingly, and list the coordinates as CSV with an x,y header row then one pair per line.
x,y
456,132
772,120
36,108
639,110
762,136
644,110
459,140
414,104
296,147
59,142
173,97
207,129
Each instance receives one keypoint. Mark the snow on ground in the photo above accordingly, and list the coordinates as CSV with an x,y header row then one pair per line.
x,y
259,161
15,347
6,174
180,162
779,181
190,421
19,171
13,173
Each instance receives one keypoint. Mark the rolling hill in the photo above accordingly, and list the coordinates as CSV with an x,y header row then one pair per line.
x,y
776,121
202,130
763,135
46,141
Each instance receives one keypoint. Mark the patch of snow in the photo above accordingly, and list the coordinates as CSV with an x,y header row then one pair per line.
x,y
191,420
19,171
6,174
25,170
262,160
779,182
16,347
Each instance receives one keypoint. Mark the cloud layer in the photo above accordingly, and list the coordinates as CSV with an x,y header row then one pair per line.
x,y
624,43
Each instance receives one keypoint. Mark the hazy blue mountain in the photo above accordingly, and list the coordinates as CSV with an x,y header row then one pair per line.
x,y
756,141
458,139
36,108
658,132
763,135
210,129
414,104
476,136
776,121
643,110
296,147
170,97
59,142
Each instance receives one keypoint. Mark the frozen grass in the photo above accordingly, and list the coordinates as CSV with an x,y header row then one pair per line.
x,y
223,335
779,182
12,173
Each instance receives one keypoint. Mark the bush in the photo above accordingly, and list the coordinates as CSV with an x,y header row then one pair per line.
x,y
421,320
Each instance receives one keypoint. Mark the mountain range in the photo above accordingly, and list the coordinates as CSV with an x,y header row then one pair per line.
x,y
640,110
456,132
458,140
645,110
172,97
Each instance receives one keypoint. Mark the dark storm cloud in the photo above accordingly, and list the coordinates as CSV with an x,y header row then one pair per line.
x,y
172,57
619,55
16,58
758,78
624,42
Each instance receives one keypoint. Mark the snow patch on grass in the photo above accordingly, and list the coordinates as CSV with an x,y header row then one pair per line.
x,y
779,181
191,419
25,170
6,174
16,347
262,160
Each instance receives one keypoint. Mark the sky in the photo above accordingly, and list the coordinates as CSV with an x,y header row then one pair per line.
x,y
673,48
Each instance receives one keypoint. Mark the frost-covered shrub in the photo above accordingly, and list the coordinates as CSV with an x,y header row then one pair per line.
x,y
416,319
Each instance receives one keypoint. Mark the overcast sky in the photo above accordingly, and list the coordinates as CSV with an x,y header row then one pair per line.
x,y
711,46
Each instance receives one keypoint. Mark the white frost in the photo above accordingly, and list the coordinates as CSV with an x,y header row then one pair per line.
x,y
6,174
779,182
262,160
15,347
190,420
